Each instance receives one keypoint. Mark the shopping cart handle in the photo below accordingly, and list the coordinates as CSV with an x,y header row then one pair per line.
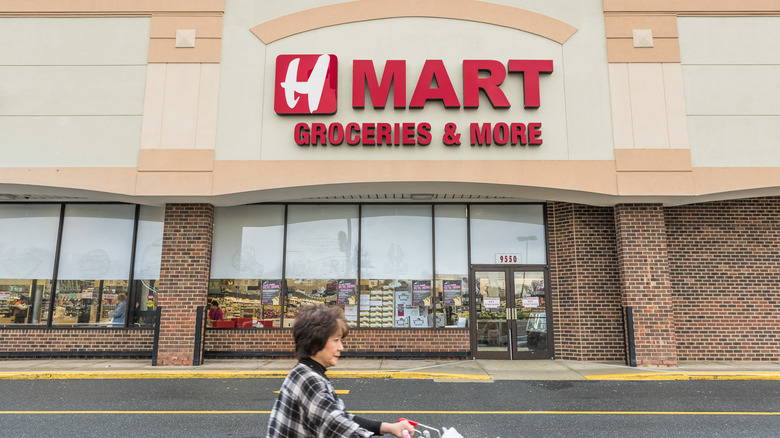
x,y
413,423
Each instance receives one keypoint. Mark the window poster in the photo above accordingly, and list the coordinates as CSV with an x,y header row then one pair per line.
x,y
421,292
452,292
347,291
271,289
351,314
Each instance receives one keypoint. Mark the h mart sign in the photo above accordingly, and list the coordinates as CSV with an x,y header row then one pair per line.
x,y
308,84
316,77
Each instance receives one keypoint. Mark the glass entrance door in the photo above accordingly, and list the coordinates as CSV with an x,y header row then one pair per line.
x,y
510,313
492,322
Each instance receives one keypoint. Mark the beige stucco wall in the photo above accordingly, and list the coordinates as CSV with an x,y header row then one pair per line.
x,y
135,117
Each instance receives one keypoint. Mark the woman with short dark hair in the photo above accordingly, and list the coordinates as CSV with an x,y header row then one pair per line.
x,y
307,405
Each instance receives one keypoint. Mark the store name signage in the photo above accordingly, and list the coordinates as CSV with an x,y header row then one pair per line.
x,y
308,85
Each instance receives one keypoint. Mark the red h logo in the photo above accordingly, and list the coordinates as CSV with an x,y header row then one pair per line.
x,y
314,77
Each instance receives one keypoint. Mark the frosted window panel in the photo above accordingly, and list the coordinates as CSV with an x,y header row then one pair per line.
x,y
396,242
28,240
451,239
96,242
248,242
322,241
507,229
148,246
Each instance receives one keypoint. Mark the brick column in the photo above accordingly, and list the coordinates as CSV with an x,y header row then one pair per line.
x,y
645,285
184,276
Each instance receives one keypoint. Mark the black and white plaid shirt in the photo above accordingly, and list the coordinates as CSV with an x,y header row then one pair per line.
x,y
307,406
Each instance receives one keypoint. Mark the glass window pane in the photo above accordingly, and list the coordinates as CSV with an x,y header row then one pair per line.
x,y
322,242
396,242
96,242
24,301
451,266
94,263
248,242
515,230
146,272
28,240
396,266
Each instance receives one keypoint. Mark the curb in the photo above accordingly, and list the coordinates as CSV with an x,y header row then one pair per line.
x,y
726,375
229,375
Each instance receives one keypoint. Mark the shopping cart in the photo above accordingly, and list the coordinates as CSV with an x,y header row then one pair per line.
x,y
426,430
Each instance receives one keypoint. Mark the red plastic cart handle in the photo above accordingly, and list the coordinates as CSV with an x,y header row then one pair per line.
x,y
413,423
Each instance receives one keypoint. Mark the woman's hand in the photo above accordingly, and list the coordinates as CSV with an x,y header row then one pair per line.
x,y
397,429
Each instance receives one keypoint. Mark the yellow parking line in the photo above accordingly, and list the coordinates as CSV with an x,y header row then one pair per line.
x,y
756,375
714,413
230,375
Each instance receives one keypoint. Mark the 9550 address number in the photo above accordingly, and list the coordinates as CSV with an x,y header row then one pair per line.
x,y
508,259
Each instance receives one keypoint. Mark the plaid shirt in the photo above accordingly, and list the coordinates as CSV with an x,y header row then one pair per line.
x,y
307,406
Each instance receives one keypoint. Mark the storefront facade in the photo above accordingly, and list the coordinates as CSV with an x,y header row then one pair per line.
x,y
510,180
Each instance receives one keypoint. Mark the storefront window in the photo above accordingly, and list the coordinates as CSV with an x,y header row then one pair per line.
x,y
28,239
452,264
396,267
94,263
246,265
321,259
146,272
508,234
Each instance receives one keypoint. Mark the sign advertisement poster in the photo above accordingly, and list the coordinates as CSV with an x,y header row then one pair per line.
x,y
452,292
347,292
421,292
271,290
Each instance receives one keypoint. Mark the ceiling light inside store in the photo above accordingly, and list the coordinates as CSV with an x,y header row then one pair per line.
x,y
422,196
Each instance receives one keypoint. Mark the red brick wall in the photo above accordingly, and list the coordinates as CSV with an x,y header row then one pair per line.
x,y
644,273
75,342
724,262
417,341
585,283
184,277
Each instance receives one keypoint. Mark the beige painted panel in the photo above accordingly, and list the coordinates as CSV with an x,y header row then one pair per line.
x,y
180,111
622,26
734,141
164,26
729,40
154,102
165,50
655,184
70,141
675,106
208,97
73,41
622,124
623,50
173,184
589,176
732,89
110,6
351,12
181,160
71,90
735,179
697,6
110,180
648,106
649,160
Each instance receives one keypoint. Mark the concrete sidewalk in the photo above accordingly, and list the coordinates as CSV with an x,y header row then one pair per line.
x,y
439,370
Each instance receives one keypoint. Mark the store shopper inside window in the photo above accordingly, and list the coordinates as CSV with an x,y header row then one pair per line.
x,y
119,313
215,313
307,405
20,311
